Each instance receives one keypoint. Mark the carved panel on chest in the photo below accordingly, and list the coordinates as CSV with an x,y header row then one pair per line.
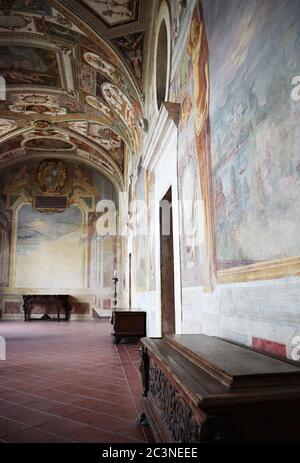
x,y
179,418
203,389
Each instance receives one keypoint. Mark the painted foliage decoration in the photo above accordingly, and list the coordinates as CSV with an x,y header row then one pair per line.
x,y
255,129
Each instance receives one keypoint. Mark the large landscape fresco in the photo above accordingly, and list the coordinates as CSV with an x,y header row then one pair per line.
x,y
50,251
253,58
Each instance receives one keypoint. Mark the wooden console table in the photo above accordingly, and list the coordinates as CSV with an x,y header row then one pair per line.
x,y
199,388
128,324
61,302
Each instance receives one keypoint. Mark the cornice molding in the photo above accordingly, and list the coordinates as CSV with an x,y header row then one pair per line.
x,y
261,271
166,125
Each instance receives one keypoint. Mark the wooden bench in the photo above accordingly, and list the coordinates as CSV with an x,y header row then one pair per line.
x,y
61,302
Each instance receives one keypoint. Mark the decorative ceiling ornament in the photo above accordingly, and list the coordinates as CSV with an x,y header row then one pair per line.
x,y
115,12
52,176
132,46
101,134
35,99
48,144
37,7
38,109
121,105
42,124
14,22
21,65
7,126
104,67
57,33
94,157
97,104
45,133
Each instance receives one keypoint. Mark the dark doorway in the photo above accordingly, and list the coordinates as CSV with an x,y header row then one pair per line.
x,y
167,265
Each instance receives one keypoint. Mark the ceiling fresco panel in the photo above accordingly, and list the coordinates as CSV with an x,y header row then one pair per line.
x,y
48,144
28,65
56,32
38,7
132,46
115,12
72,87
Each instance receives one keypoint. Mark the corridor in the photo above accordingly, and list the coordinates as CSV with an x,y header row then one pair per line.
x,y
68,382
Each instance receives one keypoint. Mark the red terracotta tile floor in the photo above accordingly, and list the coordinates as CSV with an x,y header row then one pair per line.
x,y
68,382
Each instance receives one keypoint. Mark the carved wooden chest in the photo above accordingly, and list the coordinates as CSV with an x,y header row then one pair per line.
x,y
128,324
199,388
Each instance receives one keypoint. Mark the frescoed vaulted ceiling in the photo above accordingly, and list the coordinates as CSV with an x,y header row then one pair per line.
x,y
74,80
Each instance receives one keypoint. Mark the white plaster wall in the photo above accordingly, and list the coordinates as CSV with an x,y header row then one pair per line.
x,y
165,177
240,311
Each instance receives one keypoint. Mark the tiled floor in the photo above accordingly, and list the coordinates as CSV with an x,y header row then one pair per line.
x,y
68,382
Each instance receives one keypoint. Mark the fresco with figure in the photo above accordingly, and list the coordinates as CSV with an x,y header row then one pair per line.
x,y
58,237
191,218
253,57
190,87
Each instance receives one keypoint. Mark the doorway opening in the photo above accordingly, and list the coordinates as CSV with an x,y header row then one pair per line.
x,y
167,265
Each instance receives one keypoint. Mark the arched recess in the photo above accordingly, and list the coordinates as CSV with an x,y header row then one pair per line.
x,y
162,55
67,157
104,162
65,239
